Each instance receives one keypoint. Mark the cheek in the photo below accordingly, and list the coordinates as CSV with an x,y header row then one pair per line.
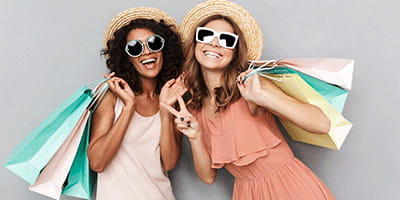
x,y
160,58
229,54
197,50
134,61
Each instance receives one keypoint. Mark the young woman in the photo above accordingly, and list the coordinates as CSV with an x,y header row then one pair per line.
x,y
231,121
133,143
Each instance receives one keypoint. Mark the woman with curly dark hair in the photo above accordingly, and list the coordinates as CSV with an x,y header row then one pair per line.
x,y
133,142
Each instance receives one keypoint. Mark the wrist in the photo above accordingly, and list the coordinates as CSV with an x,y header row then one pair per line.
x,y
164,112
129,107
261,99
196,138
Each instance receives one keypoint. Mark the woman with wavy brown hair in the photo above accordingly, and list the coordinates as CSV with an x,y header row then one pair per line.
x,y
230,122
133,142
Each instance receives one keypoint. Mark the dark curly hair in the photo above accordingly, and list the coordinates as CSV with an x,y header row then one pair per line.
x,y
118,60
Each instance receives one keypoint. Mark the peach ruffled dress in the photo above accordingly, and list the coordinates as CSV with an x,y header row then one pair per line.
x,y
254,151
136,171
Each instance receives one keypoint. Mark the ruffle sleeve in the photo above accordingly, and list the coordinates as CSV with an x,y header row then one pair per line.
x,y
237,137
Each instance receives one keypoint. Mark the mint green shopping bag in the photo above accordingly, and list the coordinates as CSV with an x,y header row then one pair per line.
x,y
35,151
334,95
81,178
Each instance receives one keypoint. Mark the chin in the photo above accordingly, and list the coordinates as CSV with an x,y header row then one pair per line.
x,y
150,75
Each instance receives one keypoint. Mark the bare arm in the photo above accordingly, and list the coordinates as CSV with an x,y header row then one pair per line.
x,y
264,93
202,160
170,141
188,125
107,135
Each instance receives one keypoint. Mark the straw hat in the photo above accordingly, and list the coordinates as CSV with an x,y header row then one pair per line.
x,y
125,17
246,22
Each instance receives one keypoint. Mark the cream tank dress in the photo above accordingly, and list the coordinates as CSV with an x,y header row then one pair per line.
x,y
136,171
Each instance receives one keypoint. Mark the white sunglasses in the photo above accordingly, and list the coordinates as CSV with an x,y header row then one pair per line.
x,y
225,39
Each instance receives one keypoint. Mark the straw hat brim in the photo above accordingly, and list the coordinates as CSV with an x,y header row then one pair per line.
x,y
125,17
246,22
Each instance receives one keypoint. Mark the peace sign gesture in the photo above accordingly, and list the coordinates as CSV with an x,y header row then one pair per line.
x,y
185,122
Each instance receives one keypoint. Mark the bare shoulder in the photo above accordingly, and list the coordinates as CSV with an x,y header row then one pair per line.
x,y
107,104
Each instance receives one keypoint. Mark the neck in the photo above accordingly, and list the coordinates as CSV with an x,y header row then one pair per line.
x,y
148,85
212,79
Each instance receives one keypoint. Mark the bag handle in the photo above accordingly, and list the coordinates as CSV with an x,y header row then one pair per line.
x,y
100,88
263,69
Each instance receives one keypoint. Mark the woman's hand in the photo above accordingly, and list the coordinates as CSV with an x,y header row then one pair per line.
x,y
250,89
120,88
171,88
185,122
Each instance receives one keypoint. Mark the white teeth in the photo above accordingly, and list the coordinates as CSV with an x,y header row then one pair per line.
x,y
148,61
212,54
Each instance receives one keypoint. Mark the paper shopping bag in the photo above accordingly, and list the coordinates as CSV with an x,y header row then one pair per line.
x,y
332,70
51,180
334,95
296,87
81,178
36,150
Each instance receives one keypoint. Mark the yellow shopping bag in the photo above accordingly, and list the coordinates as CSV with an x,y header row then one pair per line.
x,y
296,87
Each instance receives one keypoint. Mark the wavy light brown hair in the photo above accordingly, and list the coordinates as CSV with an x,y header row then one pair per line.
x,y
228,92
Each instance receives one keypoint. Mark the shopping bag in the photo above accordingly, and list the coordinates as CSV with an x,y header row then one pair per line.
x,y
296,87
81,178
35,151
51,180
332,70
334,95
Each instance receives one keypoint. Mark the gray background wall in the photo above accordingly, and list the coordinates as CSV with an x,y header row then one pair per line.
x,y
49,48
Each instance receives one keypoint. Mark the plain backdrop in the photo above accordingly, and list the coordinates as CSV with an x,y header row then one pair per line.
x,y
49,48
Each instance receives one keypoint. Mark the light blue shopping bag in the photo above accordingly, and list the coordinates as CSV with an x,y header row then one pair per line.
x,y
35,151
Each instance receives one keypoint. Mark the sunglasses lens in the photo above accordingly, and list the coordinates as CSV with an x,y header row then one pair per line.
x,y
228,40
205,35
134,48
155,43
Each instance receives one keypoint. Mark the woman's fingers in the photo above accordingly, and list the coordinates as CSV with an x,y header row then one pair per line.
x,y
169,83
179,89
170,109
183,126
109,75
182,105
120,87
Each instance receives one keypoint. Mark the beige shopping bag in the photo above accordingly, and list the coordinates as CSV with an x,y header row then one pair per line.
x,y
296,87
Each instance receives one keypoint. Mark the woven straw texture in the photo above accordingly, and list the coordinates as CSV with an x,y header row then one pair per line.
x,y
246,22
125,17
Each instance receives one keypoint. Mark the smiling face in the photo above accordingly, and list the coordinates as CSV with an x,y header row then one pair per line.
x,y
149,64
212,56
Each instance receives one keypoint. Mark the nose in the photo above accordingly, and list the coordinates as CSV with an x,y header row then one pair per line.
x,y
215,42
146,50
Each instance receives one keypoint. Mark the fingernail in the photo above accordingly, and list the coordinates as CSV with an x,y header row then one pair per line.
x,y
182,119
188,122
188,125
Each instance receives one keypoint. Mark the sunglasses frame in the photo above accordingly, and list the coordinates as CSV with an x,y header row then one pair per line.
x,y
217,34
147,45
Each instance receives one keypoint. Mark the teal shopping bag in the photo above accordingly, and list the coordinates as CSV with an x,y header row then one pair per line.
x,y
333,94
35,151
81,178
